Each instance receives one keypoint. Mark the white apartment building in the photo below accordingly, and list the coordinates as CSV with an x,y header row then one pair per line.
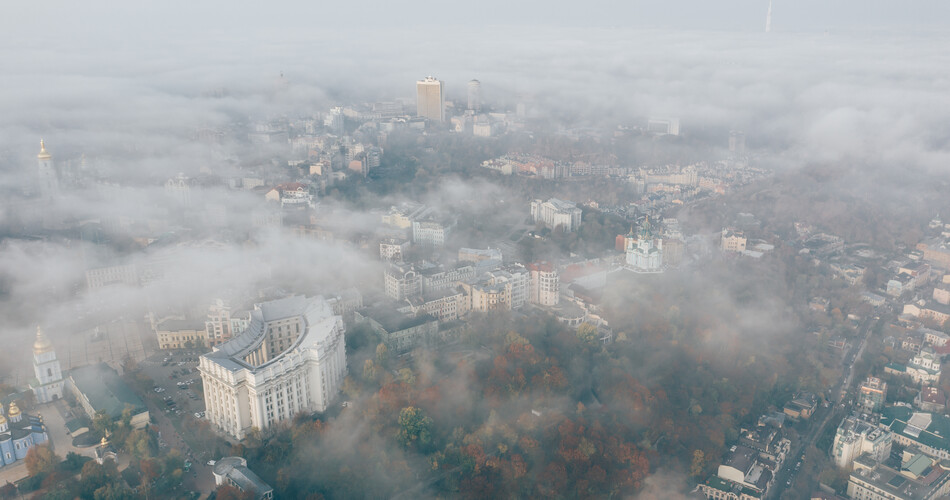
x,y
855,437
290,359
555,212
545,284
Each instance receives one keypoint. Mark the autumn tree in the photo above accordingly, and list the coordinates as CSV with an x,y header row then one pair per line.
x,y
415,428
41,460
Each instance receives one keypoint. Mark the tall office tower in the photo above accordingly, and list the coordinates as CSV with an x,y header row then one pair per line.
x,y
736,142
475,96
49,184
430,99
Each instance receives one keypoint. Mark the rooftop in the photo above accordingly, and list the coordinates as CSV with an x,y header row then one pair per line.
x,y
105,389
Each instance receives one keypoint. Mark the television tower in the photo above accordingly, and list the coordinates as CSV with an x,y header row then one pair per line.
x,y
768,19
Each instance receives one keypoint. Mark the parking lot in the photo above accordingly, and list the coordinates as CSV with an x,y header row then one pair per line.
x,y
177,382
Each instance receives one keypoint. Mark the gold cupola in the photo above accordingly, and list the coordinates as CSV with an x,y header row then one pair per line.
x,y
41,344
14,411
44,155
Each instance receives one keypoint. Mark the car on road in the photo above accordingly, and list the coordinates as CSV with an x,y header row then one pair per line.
x,y
211,462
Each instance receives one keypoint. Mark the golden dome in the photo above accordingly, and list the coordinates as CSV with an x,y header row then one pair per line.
x,y
14,410
3,420
42,344
43,154
104,442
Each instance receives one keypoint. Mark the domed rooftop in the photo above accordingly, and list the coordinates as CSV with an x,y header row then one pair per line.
x,y
41,344
44,155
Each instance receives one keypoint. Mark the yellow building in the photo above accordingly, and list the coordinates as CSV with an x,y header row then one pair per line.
x,y
181,334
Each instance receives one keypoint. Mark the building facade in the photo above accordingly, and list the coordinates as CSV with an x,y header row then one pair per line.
x,y
556,213
872,394
430,99
181,334
290,359
856,437
222,324
545,287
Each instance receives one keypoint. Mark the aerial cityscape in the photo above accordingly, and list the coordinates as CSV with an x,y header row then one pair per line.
x,y
386,250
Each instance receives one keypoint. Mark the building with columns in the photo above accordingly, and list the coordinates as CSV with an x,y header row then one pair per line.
x,y
48,384
290,359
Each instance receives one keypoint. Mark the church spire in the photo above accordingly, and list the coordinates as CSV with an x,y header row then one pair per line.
x,y
42,344
44,155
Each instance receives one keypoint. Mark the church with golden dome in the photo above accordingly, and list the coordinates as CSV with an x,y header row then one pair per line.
x,y
48,384
18,433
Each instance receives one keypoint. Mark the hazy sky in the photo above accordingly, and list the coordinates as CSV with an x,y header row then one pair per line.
x,y
177,18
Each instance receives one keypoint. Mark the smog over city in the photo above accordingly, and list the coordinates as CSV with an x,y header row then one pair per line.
x,y
489,250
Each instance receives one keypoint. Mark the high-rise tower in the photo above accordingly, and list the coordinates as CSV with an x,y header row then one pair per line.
x,y
430,99
48,385
475,96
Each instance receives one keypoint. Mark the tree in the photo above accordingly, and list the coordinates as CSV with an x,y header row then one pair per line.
x,y
8,491
698,464
587,333
414,427
369,370
40,460
114,492
103,423
382,354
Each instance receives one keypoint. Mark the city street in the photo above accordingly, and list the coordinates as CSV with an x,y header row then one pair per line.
x,y
822,415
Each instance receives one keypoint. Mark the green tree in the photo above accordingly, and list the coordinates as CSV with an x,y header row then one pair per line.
x,y
103,423
587,333
415,428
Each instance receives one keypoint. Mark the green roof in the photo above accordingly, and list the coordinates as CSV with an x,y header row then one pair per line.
x,y
105,390
895,366
918,464
936,435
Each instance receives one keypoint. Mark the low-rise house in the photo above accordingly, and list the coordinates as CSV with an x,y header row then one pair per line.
x,y
743,474
802,406
931,399
181,334
398,331
233,471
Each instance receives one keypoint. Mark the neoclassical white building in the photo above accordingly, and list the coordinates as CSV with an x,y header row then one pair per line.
x,y
291,358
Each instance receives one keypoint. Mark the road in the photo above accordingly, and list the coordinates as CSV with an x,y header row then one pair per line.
x,y
821,417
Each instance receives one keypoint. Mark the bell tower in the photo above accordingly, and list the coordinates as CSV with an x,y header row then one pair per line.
x,y
49,184
48,385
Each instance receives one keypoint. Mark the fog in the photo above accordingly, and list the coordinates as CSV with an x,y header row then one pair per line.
x,y
854,89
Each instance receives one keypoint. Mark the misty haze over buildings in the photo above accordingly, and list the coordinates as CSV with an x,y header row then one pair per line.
x,y
118,92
